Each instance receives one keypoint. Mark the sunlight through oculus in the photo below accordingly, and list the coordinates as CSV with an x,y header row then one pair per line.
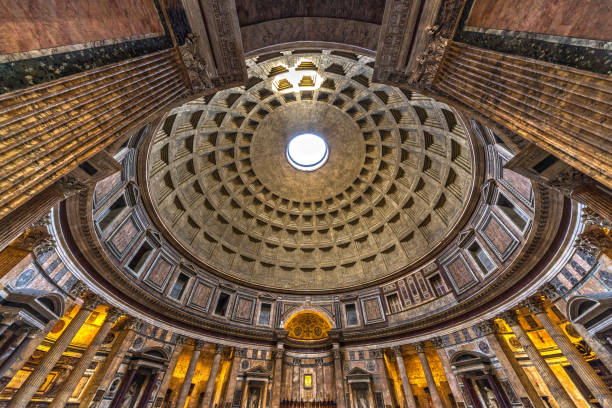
x,y
307,152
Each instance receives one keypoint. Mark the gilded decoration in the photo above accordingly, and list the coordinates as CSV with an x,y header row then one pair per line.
x,y
308,325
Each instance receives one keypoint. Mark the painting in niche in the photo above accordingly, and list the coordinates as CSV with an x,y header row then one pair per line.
x,y
308,381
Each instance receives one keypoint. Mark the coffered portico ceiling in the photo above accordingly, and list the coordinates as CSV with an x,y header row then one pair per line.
x,y
394,186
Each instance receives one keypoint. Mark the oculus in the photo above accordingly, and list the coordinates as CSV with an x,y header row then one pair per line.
x,y
307,152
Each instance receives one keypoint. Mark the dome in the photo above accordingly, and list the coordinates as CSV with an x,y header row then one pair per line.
x,y
394,181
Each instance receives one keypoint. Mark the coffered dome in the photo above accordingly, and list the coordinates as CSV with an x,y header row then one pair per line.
x,y
393,187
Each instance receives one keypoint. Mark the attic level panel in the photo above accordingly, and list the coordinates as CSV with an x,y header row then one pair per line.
x,y
589,18
41,24
258,11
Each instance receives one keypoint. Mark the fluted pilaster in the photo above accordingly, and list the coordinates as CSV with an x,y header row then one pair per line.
x,y
38,376
278,376
431,383
161,393
81,365
448,370
182,397
408,395
554,385
516,375
210,384
231,385
106,370
586,373
340,401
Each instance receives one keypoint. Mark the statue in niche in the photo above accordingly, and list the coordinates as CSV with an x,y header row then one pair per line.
x,y
130,396
491,400
361,400
253,399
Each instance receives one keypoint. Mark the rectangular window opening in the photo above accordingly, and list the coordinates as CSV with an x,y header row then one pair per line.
x,y
481,258
112,212
545,163
438,285
222,303
394,303
140,258
179,286
264,314
516,216
351,314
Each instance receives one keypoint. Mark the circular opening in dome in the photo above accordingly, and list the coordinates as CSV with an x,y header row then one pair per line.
x,y
307,152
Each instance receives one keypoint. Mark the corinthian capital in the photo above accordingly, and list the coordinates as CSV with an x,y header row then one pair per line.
x,y
487,327
69,185
535,305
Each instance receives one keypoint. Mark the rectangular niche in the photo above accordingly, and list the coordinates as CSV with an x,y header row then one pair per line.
x,y
179,286
140,258
350,312
222,304
265,314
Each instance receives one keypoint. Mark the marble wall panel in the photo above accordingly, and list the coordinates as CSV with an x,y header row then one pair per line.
x,y
39,24
159,273
501,241
125,236
460,273
589,18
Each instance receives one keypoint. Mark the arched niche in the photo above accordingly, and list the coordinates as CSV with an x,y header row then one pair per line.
x,y
308,325
594,311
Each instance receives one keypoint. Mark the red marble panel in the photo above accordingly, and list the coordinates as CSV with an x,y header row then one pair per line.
x,y
160,272
520,183
498,235
460,273
124,236
200,294
372,309
243,309
567,18
27,25
106,185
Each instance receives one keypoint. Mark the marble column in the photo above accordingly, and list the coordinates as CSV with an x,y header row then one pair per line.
x,y
15,362
233,375
210,384
319,378
24,350
516,375
146,395
340,398
408,395
7,320
13,342
469,389
431,383
126,381
548,376
182,396
597,345
384,378
161,393
38,376
586,373
105,372
453,384
67,388
278,376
